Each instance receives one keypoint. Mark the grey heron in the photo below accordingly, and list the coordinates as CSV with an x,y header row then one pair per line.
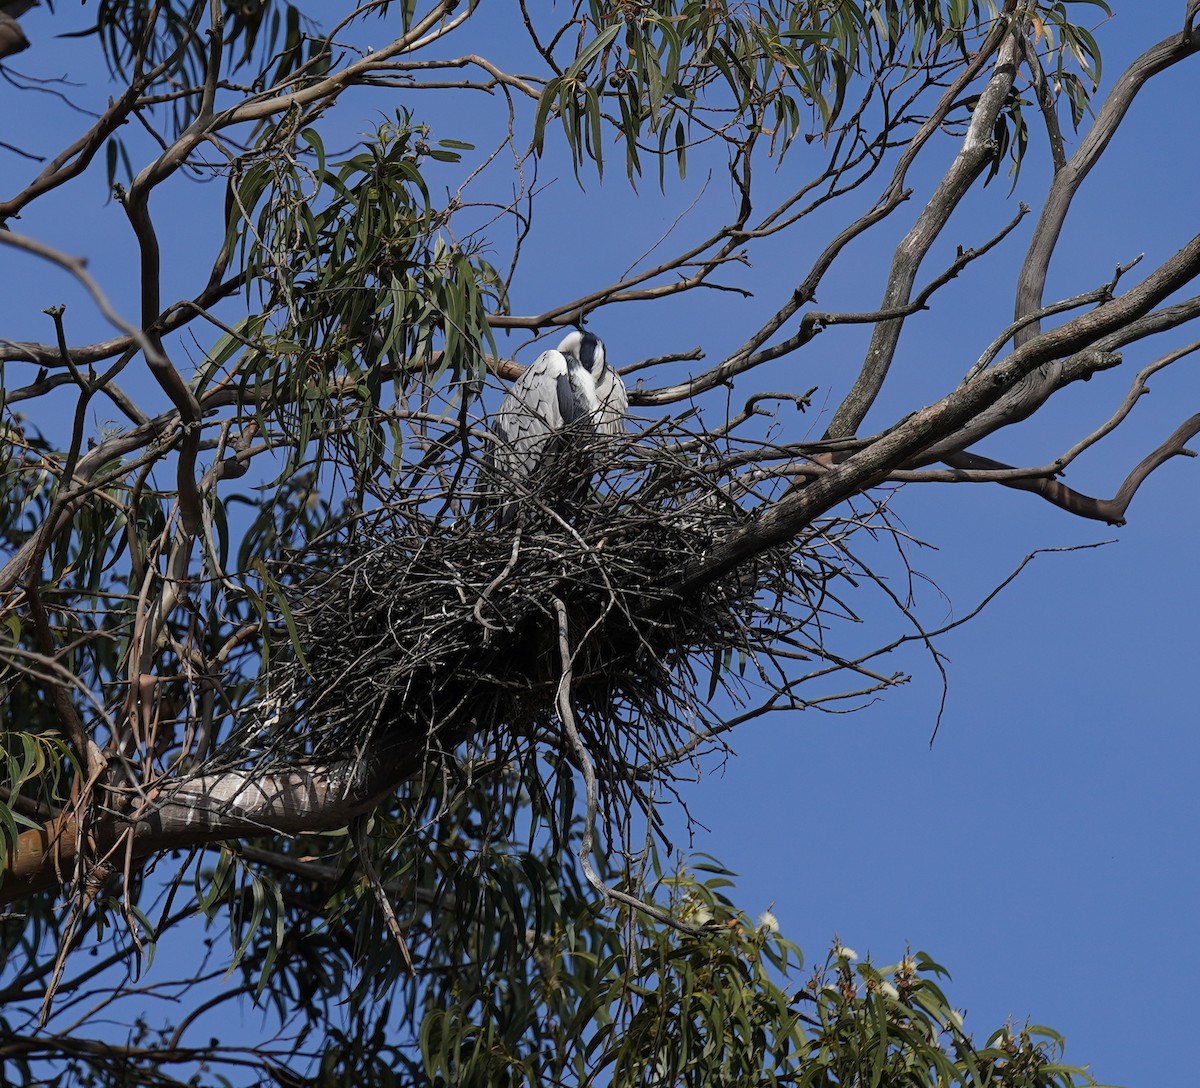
x,y
565,390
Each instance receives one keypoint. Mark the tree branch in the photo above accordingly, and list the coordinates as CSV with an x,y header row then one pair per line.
x,y
977,149
921,431
212,807
1031,281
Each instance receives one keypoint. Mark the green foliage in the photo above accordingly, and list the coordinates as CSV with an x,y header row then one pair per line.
x,y
26,480
640,1003
34,766
523,976
668,75
1070,44
163,45
678,73
360,283
1066,45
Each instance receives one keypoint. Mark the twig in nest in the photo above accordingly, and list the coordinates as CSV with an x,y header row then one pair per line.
x,y
495,583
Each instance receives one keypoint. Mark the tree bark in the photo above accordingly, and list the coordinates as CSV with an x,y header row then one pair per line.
x,y
205,809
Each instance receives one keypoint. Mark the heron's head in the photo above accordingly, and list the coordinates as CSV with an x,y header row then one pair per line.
x,y
587,348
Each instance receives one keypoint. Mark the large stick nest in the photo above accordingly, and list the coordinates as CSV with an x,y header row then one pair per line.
x,y
426,624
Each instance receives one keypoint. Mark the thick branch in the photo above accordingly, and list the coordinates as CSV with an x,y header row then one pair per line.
x,y
1111,510
1032,280
922,430
211,808
977,150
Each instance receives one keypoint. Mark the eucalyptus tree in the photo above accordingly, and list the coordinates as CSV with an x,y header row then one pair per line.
x,y
263,669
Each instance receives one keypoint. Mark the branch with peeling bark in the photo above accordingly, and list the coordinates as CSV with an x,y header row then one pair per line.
x,y
207,809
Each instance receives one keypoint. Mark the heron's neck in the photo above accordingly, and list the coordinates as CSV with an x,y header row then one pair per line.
x,y
584,385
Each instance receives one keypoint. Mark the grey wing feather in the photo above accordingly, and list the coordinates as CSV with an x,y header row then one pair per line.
x,y
569,407
530,412
614,403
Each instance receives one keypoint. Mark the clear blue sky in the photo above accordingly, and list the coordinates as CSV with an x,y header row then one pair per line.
x,y
1044,847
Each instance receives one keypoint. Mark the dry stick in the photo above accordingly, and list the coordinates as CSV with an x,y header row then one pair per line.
x,y
495,583
566,714
925,636
362,848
